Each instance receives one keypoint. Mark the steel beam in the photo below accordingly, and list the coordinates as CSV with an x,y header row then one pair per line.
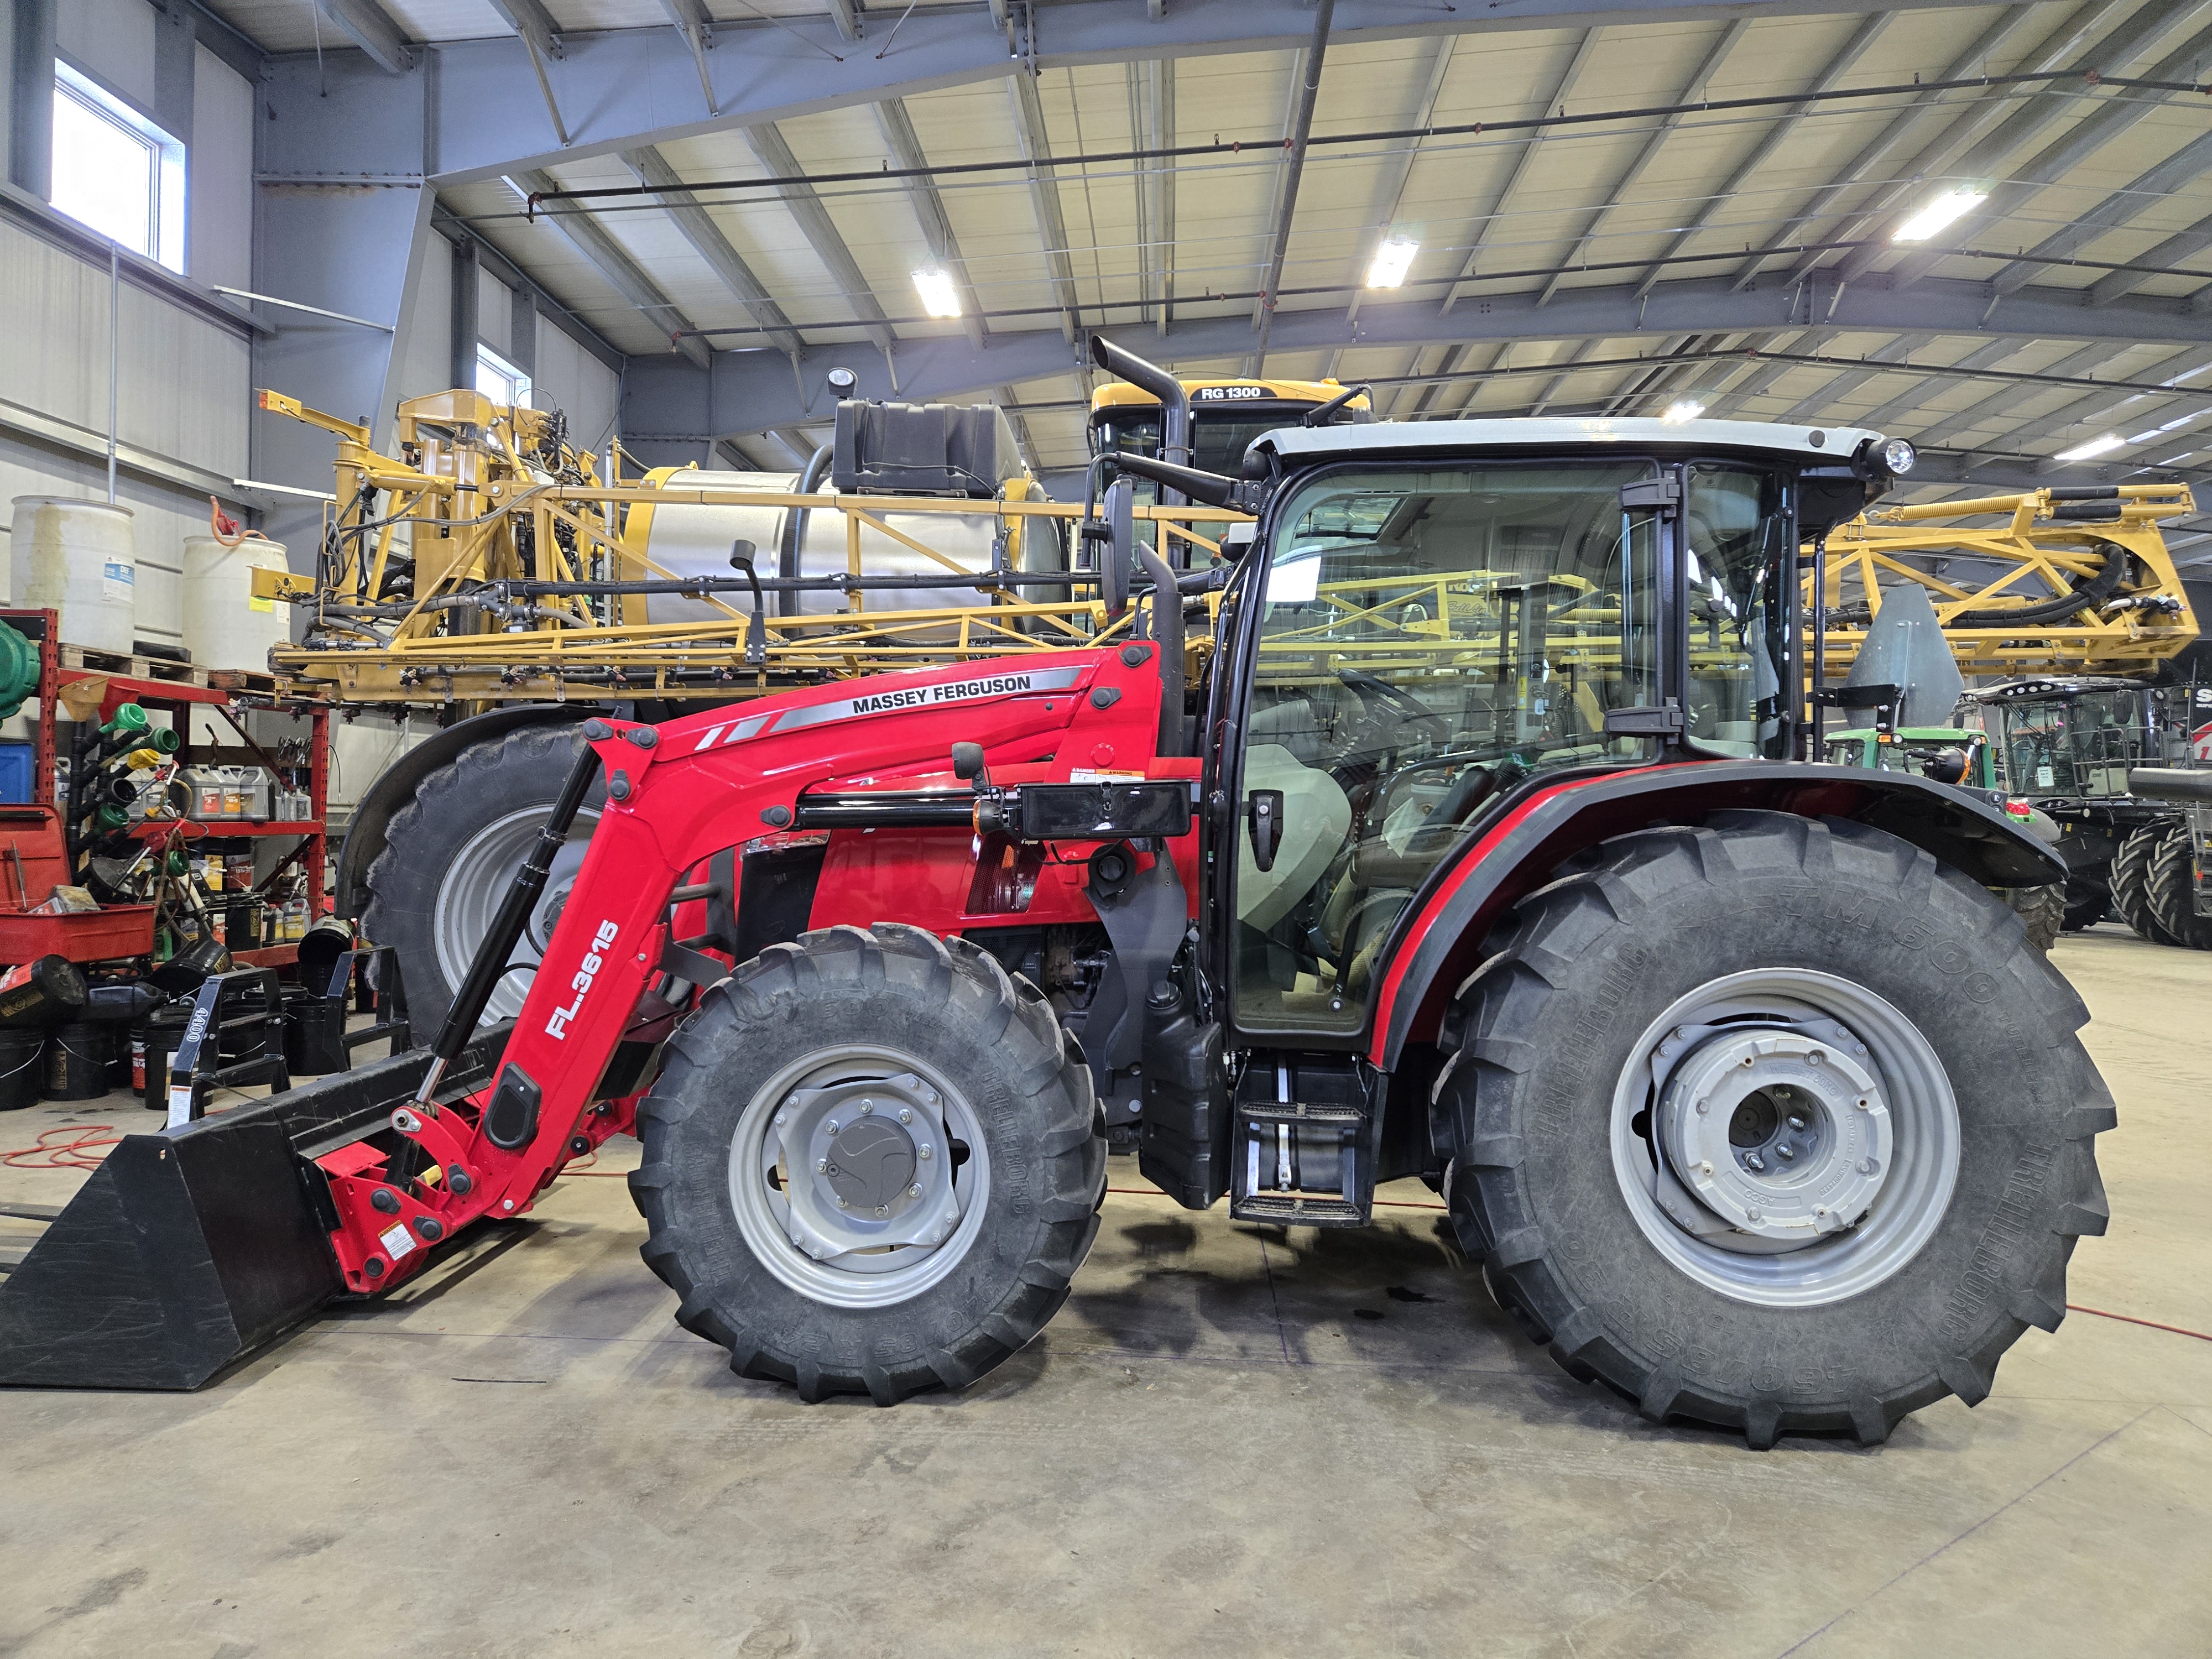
x,y
621,89
1594,218
368,27
1875,158
30,102
1398,168
1294,169
1755,164
1163,182
2182,245
699,228
589,238
821,232
1998,405
928,203
754,391
1824,397
2138,35
2141,192
534,26
2106,409
1044,194
696,24
847,19
1479,231
1985,356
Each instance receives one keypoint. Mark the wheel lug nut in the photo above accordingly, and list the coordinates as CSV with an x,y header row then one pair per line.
x,y
1754,1160
831,1125
782,1118
1785,1150
1797,1122
822,1166
1816,1056
905,1114
844,1204
883,1209
1869,1167
925,1149
914,1191
867,1106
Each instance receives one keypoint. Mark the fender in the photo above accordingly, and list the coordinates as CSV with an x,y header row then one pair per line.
x,y
397,785
1548,821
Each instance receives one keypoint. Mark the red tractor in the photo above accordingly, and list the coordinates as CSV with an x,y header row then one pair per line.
x,y
1482,849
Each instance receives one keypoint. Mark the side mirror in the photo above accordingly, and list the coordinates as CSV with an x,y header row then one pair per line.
x,y
1118,557
1263,814
967,761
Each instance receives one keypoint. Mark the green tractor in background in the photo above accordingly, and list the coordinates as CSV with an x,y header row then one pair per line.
x,y
1965,759
1905,672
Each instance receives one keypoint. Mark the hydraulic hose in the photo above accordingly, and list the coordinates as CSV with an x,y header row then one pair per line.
x,y
2093,591
795,528
489,965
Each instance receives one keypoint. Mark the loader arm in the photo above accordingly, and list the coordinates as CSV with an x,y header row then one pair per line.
x,y
678,795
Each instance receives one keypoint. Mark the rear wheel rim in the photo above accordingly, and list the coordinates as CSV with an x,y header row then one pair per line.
x,y
1759,1235
474,886
887,1133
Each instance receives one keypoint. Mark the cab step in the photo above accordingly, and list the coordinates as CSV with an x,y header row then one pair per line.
x,y
1305,1134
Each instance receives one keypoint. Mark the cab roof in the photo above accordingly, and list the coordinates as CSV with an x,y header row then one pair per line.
x,y
1119,394
1799,443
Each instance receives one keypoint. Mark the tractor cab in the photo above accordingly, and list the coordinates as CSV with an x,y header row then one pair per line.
x,y
1437,619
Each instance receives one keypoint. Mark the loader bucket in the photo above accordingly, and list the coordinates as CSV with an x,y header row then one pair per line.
x,y
189,1249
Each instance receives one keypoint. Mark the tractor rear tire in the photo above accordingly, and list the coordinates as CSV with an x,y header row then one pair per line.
x,y
2087,904
2170,891
769,1240
2131,883
1547,1105
2042,911
450,853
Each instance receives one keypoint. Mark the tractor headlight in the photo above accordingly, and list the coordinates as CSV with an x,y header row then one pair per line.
x,y
1897,456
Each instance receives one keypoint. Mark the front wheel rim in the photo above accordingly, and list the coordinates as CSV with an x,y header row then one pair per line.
x,y
884,1132
1746,1204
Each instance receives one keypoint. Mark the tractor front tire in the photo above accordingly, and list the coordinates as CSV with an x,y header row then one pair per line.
x,y
872,1164
1822,987
2131,883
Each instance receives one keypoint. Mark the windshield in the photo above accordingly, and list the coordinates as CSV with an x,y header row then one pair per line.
x,y
2079,745
1426,639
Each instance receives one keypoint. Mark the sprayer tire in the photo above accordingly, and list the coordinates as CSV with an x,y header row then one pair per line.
x,y
1551,1043
2170,891
432,850
946,1008
2131,883
2042,911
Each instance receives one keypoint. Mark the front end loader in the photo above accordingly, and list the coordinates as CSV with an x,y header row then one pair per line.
x,y
1482,847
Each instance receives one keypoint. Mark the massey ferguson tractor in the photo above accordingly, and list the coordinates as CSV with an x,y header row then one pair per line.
x,y
1480,848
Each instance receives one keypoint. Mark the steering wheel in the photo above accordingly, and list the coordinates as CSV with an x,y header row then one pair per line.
x,y
1369,689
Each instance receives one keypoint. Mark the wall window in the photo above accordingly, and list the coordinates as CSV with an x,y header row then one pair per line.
x,y
117,172
500,380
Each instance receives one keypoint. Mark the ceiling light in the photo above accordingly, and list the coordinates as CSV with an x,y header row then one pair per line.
x,y
1392,261
2094,447
1688,409
938,297
1952,205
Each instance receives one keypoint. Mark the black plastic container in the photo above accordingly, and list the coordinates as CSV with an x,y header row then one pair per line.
x,y
21,1070
77,1061
164,1031
314,1033
46,991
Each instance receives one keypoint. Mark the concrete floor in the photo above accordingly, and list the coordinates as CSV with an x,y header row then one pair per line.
x,y
1335,1443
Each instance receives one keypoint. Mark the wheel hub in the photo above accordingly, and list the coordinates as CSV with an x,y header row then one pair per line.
x,y
1781,1134
865,1168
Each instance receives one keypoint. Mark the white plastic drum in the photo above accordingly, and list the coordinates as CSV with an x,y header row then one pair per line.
x,y
685,540
225,626
76,557
161,598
